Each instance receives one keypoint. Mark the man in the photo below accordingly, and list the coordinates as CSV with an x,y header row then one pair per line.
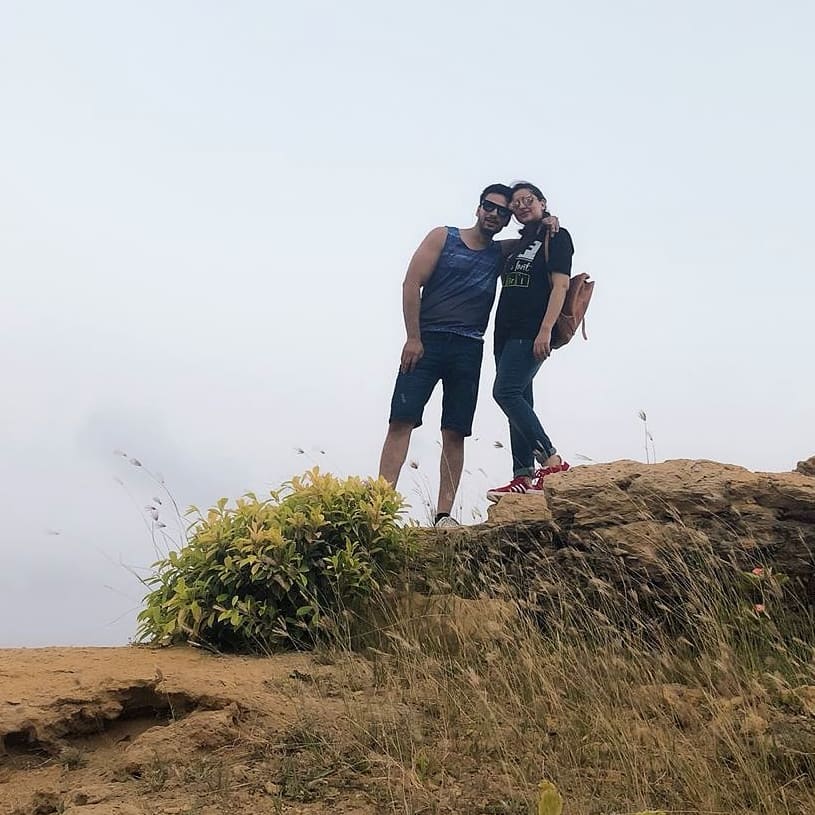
x,y
447,296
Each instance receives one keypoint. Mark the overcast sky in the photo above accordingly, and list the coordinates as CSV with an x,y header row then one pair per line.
x,y
207,209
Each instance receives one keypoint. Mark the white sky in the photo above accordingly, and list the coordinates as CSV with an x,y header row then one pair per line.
x,y
206,211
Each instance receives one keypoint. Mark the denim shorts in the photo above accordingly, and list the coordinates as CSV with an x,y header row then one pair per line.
x,y
456,361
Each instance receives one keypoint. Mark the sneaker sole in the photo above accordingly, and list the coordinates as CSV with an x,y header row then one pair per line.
x,y
497,496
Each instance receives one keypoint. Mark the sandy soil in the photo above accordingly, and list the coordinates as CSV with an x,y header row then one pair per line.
x,y
137,730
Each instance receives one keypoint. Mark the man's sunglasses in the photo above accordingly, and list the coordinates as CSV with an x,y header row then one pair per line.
x,y
491,206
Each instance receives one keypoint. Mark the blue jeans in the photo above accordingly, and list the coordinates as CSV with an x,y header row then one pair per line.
x,y
516,367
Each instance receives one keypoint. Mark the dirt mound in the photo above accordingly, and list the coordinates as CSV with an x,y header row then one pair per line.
x,y
98,730
470,702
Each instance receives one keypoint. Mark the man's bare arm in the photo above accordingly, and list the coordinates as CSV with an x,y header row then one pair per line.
x,y
509,245
552,223
419,271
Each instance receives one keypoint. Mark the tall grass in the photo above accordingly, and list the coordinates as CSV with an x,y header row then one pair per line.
x,y
698,702
681,683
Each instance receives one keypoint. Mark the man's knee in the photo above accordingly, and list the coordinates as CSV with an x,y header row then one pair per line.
x,y
451,437
399,428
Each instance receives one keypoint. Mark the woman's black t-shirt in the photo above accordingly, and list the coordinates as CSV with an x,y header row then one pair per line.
x,y
526,284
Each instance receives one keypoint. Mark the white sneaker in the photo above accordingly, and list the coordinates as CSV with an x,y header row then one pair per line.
x,y
446,523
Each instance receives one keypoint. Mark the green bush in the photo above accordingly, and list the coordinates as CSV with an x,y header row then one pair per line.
x,y
285,571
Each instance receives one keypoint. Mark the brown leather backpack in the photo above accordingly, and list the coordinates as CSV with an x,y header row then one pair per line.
x,y
573,314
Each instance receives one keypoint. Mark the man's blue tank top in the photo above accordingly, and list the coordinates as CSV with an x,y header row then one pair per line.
x,y
459,295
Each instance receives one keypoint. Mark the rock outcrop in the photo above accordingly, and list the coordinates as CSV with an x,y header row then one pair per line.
x,y
756,517
806,467
641,528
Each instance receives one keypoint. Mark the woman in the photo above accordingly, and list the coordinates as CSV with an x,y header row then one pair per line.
x,y
535,282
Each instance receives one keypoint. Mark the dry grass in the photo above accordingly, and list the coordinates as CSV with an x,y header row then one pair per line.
x,y
466,705
693,703
679,683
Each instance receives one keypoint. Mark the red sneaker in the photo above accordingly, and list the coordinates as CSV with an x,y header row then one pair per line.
x,y
537,483
518,486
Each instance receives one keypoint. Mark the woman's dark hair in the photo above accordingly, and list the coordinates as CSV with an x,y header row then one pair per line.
x,y
525,185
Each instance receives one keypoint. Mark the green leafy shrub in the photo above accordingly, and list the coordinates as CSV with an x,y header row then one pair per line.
x,y
284,571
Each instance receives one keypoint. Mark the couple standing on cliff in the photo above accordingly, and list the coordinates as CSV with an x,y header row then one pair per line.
x,y
447,297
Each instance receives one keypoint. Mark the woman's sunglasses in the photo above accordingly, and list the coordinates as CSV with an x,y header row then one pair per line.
x,y
491,206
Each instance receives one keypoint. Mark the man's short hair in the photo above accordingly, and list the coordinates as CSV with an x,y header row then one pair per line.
x,y
500,189
525,185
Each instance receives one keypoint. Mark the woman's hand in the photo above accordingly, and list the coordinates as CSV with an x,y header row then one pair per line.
x,y
542,347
